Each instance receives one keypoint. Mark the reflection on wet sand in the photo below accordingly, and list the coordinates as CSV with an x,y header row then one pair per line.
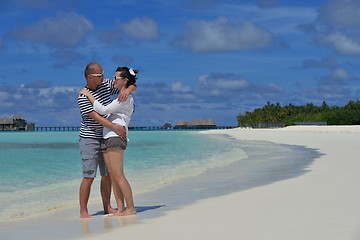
x,y
91,225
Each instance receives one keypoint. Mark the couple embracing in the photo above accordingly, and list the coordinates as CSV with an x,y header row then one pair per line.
x,y
103,137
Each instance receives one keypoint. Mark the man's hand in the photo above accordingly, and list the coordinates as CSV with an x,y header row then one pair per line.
x,y
120,130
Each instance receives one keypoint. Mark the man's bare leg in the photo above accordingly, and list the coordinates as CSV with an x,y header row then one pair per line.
x,y
84,194
105,190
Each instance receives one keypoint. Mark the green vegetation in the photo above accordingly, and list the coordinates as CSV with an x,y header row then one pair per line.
x,y
278,115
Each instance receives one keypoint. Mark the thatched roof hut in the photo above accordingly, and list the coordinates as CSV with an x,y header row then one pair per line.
x,y
196,123
11,120
16,122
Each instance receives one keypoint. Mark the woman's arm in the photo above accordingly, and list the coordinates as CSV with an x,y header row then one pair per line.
x,y
125,92
114,106
119,130
125,107
85,92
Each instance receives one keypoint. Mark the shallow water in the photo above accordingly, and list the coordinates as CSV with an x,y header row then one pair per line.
x,y
41,171
256,163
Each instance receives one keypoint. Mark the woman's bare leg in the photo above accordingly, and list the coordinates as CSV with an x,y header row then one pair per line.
x,y
119,198
116,159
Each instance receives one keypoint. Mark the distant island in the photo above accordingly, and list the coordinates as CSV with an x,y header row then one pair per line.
x,y
19,123
269,116
274,115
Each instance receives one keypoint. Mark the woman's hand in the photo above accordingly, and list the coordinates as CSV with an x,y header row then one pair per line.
x,y
124,94
84,91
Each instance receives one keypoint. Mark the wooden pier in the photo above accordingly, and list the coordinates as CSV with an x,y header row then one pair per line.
x,y
142,128
57,129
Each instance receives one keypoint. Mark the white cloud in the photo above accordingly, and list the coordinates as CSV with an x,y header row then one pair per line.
x,y
231,84
222,82
4,96
142,28
333,86
231,87
179,87
222,35
341,12
342,43
341,74
50,92
63,30
324,62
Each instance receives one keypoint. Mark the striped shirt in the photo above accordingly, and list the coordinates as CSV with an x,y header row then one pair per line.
x,y
89,127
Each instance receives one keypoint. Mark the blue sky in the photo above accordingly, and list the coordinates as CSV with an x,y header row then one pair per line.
x,y
197,59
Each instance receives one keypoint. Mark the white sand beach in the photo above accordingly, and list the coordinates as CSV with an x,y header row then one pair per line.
x,y
321,204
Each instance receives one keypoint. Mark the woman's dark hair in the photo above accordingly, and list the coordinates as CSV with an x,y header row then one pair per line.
x,y
128,73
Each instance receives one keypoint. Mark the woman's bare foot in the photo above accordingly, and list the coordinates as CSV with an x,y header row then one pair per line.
x,y
85,215
128,212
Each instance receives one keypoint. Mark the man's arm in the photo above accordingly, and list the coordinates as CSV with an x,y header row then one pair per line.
x,y
119,130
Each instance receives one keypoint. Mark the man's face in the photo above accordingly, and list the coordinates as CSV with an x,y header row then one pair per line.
x,y
97,77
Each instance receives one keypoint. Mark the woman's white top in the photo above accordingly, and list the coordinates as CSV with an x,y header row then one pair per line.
x,y
120,114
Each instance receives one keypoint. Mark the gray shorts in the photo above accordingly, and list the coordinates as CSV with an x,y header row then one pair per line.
x,y
113,143
92,157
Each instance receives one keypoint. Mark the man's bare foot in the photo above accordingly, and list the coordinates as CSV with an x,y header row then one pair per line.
x,y
110,210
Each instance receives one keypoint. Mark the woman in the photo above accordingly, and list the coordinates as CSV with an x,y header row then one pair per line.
x,y
113,146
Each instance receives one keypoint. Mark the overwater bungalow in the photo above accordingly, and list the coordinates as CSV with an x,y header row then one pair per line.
x,y
196,124
15,123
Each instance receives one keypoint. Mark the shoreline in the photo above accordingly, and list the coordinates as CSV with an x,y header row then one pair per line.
x,y
316,204
243,174
321,204
150,162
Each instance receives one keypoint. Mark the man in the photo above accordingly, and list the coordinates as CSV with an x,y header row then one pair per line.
x,y
91,134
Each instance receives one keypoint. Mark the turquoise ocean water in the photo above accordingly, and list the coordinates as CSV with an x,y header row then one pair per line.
x,y
41,171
